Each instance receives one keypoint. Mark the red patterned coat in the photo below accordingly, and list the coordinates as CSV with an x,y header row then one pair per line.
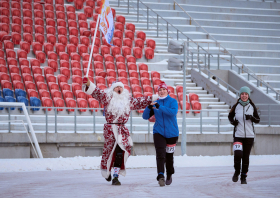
x,y
113,132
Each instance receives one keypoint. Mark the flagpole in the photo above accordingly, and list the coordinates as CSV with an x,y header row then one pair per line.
x,y
92,46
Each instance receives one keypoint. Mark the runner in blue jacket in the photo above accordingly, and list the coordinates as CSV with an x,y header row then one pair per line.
x,y
165,132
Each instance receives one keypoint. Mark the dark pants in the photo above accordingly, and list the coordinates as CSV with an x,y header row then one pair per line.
x,y
247,144
164,158
118,157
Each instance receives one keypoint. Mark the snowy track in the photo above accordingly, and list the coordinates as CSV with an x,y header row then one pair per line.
x,y
263,181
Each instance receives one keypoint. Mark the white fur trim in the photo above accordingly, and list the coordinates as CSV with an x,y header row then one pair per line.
x,y
91,88
154,97
120,139
130,141
117,84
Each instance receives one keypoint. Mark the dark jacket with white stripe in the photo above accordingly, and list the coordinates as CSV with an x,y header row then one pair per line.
x,y
244,128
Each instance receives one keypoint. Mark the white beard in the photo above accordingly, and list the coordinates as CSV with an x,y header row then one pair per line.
x,y
119,103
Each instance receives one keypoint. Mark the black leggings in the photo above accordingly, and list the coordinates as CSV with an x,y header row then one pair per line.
x,y
118,157
164,158
247,144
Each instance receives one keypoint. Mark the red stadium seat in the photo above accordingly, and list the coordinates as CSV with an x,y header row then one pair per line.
x,y
77,79
155,74
84,40
73,31
60,2
12,61
92,24
193,97
39,78
62,39
82,103
37,70
137,52
117,42
129,34
5,27
99,72
16,38
60,15
59,7
70,8
63,56
15,28
29,85
71,16
104,42
72,23
81,94
85,57
173,96
10,53
50,22
119,26
83,24
35,62
120,19
41,56
121,66
37,6
139,43
88,11
38,14
23,61
2,54
62,78
16,20
133,73
171,89
71,103
18,85
126,51
90,72
141,35
67,94
39,38
77,72
16,12
48,70
4,76
123,80
5,4
59,48
132,66
130,58
32,93
180,97
156,81
64,64
120,58
179,89
149,52
4,19
52,55
134,81
62,30
28,38
56,93
151,43
97,57
147,88
145,81
98,65
21,53
100,80
50,78
118,34
36,46
49,14
82,16
58,102
15,76
26,5
13,69
85,65
76,86
51,39
115,50
2,61
27,29
41,85
74,40
108,57
75,56
71,48
75,64
130,26
122,73
188,106
93,103
3,69
61,22
110,80
136,88
92,33
8,44
53,86
65,71
127,42
82,49
25,46
64,86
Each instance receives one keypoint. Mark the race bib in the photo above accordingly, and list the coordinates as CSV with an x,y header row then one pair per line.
x,y
237,146
170,148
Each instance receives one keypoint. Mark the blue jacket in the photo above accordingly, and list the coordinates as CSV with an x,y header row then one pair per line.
x,y
166,121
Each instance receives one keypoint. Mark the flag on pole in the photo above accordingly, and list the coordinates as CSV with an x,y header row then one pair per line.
x,y
107,21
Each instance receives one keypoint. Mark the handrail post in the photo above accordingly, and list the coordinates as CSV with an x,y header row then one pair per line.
x,y
131,122
55,120
177,34
218,122
167,33
192,60
157,25
47,121
184,133
149,130
137,10
9,118
93,121
231,61
128,6
75,120
208,61
200,122
269,115
188,53
218,61
118,3
205,60
147,18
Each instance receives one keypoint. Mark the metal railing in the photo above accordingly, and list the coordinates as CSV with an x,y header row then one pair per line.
x,y
268,112
243,68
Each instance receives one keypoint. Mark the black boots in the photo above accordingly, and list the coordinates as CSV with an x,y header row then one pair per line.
x,y
235,176
109,178
116,181
243,178
161,180
168,179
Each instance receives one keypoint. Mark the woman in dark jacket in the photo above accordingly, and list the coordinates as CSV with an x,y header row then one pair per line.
x,y
242,115
165,132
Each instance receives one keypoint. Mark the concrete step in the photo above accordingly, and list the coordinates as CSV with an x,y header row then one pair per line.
x,y
218,107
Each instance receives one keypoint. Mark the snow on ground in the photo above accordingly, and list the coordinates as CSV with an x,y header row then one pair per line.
x,y
200,176
149,161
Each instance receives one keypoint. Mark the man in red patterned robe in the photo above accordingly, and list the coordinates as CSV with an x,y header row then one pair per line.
x,y
117,141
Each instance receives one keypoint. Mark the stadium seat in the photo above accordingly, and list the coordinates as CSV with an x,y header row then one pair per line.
x,y
62,78
85,57
120,19
180,97
82,49
117,42
35,62
129,34
60,15
12,61
92,33
25,69
35,102
26,5
48,47
88,10
173,96
51,39
65,71
121,66
3,69
179,89
71,16
32,93
59,48
21,53
123,80
131,66
119,26
16,20
64,64
82,103
100,80
64,56
83,24
77,79
48,70
108,58
120,58
10,53
151,43
118,34
75,64
47,102
61,22
77,72
137,52
76,86
104,42
72,23
13,69
62,30
93,103
41,85
49,14
115,50
73,31
134,81
62,39
105,50
23,100
29,85
64,86
52,55
84,40
97,57
8,44
23,62
155,74
85,65
67,94
188,106
130,26
139,43
149,53
156,81
7,92
75,56
70,8
5,27
49,21
56,94
71,103
5,4
141,35
171,89
145,81
36,46
98,65
111,73
130,58
44,93
147,88
39,78
53,64
81,94
82,16
15,28
126,51
58,102
10,99
59,7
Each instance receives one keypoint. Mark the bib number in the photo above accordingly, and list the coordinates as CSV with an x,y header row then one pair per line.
x,y
237,146
170,148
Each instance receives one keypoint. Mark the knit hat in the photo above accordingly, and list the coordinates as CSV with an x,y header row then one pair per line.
x,y
245,89
116,84
162,85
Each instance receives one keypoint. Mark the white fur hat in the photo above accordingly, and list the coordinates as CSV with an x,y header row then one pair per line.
x,y
116,84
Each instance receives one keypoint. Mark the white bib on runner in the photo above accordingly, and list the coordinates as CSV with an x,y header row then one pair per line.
x,y
237,146
170,148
